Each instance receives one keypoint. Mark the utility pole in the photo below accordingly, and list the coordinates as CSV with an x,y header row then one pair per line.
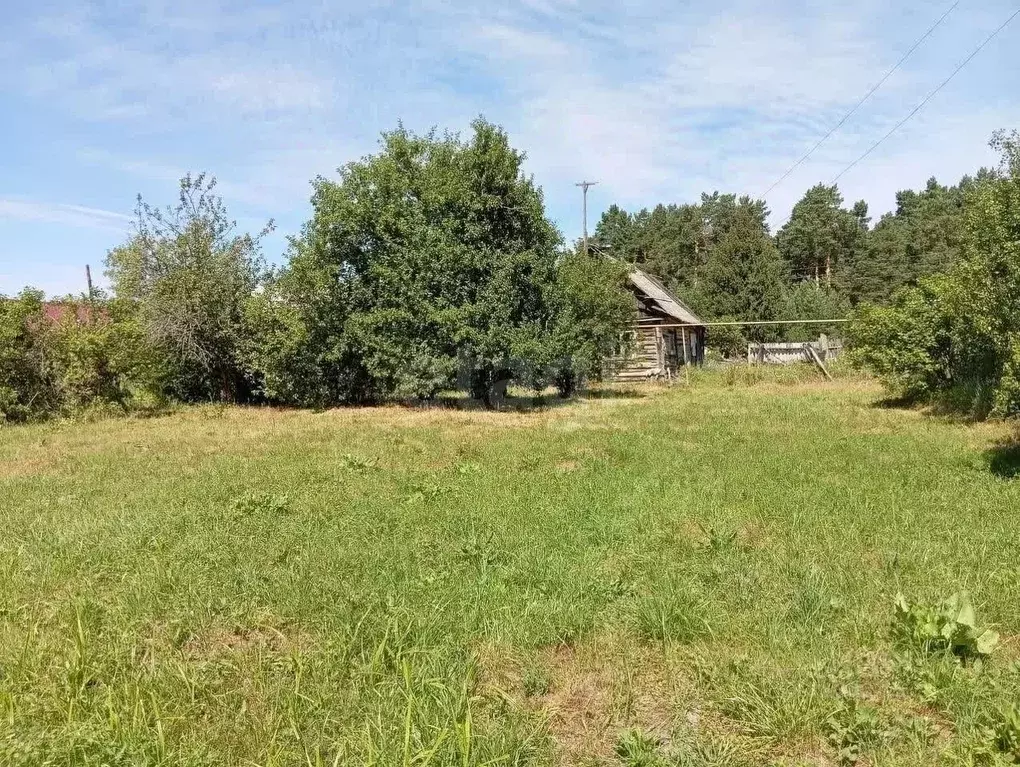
x,y
88,279
584,190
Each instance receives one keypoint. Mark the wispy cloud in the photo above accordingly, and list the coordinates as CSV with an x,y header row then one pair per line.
x,y
99,74
728,97
60,213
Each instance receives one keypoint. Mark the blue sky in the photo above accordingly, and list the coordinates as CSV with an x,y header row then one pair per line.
x,y
657,101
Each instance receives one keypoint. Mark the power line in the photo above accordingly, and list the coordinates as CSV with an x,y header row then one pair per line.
x,y
919,107
860,103
929,97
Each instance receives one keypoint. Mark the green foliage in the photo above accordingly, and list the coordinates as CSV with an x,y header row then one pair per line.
x,y
26,381
853,729
991,275
909,345
430,257
956,336
591,309
807,301
926,234
743,275
71,356
727,340
1006,732
190,277
821,235
285,351
950,627
102,356
717,254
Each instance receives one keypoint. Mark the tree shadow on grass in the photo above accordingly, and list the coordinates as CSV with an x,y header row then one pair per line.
x,y
944,409
613,393
526,403
895,403
1004,459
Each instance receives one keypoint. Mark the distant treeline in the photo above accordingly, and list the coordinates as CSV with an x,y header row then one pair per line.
x,y
720,255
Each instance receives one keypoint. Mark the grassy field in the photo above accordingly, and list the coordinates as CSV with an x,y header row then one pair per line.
x,y
700,575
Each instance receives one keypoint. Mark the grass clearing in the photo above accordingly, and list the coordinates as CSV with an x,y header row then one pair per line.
x,y
690,576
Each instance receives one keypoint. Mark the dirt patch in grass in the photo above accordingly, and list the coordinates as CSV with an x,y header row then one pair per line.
x,y
589,694
223,640
753,535
26,467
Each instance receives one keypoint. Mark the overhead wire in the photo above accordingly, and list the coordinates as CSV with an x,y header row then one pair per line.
x,y
866,96
921,105
930,96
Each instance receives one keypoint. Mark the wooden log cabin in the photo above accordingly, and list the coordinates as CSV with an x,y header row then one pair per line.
x,y
653,348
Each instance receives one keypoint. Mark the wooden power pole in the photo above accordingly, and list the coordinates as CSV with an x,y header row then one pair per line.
x,y
88,279
585,185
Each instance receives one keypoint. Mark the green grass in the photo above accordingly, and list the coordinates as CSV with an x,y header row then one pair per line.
x,y
697,575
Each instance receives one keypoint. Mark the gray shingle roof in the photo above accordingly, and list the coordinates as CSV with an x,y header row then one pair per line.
x,y
665,300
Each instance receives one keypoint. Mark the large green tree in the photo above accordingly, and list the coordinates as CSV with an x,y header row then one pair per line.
x,y
926,234
673,242
430,258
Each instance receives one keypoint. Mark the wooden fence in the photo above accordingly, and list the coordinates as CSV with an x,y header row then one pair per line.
x,y
794,351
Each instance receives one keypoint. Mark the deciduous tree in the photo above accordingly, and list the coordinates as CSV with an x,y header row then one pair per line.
x,y
189,273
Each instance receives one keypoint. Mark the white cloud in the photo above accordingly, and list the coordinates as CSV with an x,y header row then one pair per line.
x,y
98,74
729,97
60,213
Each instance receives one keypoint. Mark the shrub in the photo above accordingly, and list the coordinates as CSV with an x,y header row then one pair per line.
x,y
27,386
956,336
591,310
188,275
101,356
909,344
87,354
809,301
727,340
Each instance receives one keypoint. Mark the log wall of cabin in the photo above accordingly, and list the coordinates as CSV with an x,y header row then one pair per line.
x,y
657,351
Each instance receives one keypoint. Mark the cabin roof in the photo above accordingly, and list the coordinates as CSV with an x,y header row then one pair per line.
x,y
663,299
